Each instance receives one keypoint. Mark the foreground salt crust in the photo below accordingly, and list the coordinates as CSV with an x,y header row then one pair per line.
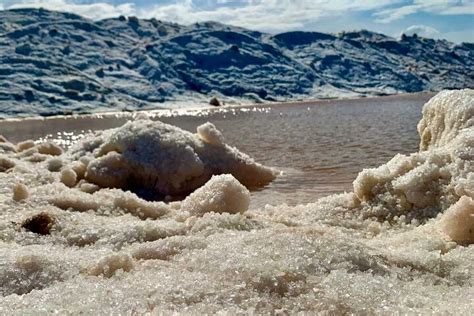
x,y
400,243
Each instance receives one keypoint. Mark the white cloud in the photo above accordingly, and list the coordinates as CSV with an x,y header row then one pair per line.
x,y
94,11
439,7
267,15
422,30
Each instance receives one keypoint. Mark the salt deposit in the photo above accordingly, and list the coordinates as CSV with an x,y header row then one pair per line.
x,y
221,194
164,160
20,192
400,243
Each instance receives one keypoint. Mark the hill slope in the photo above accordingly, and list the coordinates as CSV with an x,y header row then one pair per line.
x,y
53,62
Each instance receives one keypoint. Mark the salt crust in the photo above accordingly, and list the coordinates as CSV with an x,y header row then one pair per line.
x,y
221,194
400,243
163,159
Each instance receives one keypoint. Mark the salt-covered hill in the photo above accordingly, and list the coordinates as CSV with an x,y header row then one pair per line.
x,y
52,62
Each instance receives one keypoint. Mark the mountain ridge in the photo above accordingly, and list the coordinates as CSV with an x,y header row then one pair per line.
x,y
55,63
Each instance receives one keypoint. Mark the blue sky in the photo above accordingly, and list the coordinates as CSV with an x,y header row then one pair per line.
x,y
450,19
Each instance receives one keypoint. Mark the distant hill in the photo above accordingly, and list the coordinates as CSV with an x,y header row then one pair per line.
x,y
53,62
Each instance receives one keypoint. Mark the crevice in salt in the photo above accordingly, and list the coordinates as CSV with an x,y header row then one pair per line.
x,y
41,223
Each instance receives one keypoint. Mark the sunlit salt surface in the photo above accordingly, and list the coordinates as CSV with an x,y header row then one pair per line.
x,y
319,147
401,242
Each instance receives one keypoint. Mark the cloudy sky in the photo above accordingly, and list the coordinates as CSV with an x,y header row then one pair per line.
x,y
450,19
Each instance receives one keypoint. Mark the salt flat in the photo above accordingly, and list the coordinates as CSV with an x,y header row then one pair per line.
x,y
400,241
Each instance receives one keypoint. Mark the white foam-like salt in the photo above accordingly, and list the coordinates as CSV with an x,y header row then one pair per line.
x,y
400,243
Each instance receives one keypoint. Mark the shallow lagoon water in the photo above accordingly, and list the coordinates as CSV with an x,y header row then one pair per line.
x,y
319,146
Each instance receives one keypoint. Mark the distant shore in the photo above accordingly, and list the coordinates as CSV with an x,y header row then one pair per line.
x,y
196,109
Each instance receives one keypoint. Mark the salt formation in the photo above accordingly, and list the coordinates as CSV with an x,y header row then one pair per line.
x,y
423,184
68,177
20,192
210,134
458,221
401,243
27,144
221,194
164,160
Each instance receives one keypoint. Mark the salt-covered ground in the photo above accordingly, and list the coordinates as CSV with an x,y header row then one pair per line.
x,y
73,239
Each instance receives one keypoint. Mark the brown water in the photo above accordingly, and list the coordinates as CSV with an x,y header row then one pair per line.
x,y
319,146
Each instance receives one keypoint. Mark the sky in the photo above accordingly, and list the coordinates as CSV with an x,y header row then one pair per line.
x,y
449,19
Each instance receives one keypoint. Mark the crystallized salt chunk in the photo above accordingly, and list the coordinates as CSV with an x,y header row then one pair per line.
x,y
164,249
107,200
423,184
445,116
76,200
20,192
6,163
79,168
27,144
68,177
7,148
55,164
210,134
49,148
221,194
142,116
108,266
109,171
163,160
466,186
88,187
458,221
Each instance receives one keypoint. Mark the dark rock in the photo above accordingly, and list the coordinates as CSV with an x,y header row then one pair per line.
x,y
133,20
100,73
72,94
214,102
53,32
24,49
29,95
66,50
75,84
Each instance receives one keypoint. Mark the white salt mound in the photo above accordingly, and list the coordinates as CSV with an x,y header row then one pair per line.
x,y
163,159
221,194
210,134
401,243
